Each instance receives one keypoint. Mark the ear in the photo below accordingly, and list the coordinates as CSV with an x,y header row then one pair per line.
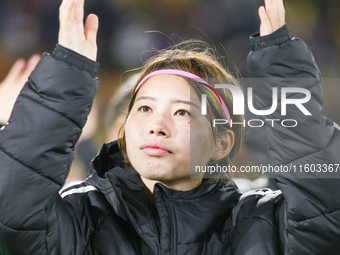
x,y
224,145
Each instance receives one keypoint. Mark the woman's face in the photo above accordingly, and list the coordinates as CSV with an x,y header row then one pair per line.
x,y
162,125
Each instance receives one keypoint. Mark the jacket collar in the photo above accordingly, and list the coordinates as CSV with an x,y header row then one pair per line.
x,y
110,162
108,157
191,212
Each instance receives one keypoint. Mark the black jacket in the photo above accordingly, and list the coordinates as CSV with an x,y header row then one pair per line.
x,y
111,212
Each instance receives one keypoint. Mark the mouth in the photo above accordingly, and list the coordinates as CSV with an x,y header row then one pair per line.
x,y
155,149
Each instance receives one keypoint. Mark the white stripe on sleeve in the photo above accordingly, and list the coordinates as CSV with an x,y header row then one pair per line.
x,y
78,190
69,185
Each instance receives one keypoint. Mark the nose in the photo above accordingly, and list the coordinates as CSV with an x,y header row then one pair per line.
x,y
160,126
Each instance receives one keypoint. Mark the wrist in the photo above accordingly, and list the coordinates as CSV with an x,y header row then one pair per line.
x,y
71,57
278,37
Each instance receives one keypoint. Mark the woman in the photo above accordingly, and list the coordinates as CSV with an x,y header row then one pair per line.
x,y
146,203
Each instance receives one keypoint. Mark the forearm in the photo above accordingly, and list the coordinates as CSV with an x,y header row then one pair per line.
x,y
279,61
36,147
308,207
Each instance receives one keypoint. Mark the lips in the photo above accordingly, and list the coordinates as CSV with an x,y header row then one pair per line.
x,y
155,149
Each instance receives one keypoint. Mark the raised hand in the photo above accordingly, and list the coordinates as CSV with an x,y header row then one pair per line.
x,y
11,86
272,16
73,34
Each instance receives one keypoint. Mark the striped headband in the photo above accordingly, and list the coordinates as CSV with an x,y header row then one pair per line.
x,y
194,77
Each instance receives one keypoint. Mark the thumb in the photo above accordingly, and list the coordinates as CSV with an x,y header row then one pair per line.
x,y
91,29
265,27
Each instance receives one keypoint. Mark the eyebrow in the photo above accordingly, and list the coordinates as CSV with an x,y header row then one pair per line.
x,y
146,98
174,101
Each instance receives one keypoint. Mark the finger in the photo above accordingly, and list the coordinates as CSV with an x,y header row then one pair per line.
x,y
91,29
282,13
265,27
272,13
15,71
65,10
32,62
65,16
79,10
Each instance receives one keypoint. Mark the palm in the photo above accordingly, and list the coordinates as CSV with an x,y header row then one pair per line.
x,y
73,34
272,16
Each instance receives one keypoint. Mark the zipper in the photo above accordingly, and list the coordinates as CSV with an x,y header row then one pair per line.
x,y
130,219
172,244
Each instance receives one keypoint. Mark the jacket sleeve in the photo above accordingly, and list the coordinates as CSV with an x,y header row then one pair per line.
x,y
36,151
309,218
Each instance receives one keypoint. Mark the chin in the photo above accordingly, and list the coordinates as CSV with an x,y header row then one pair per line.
x,y
158,175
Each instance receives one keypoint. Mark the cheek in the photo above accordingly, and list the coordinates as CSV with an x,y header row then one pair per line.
x,y
201,134
131,135
134,126
201,144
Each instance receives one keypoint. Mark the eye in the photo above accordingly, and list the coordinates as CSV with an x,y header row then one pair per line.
x,y
182,113
144,108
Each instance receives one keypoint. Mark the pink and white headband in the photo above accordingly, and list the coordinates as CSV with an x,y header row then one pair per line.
x,y
195,78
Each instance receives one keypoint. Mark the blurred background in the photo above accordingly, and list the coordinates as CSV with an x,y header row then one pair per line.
x,y
131,30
